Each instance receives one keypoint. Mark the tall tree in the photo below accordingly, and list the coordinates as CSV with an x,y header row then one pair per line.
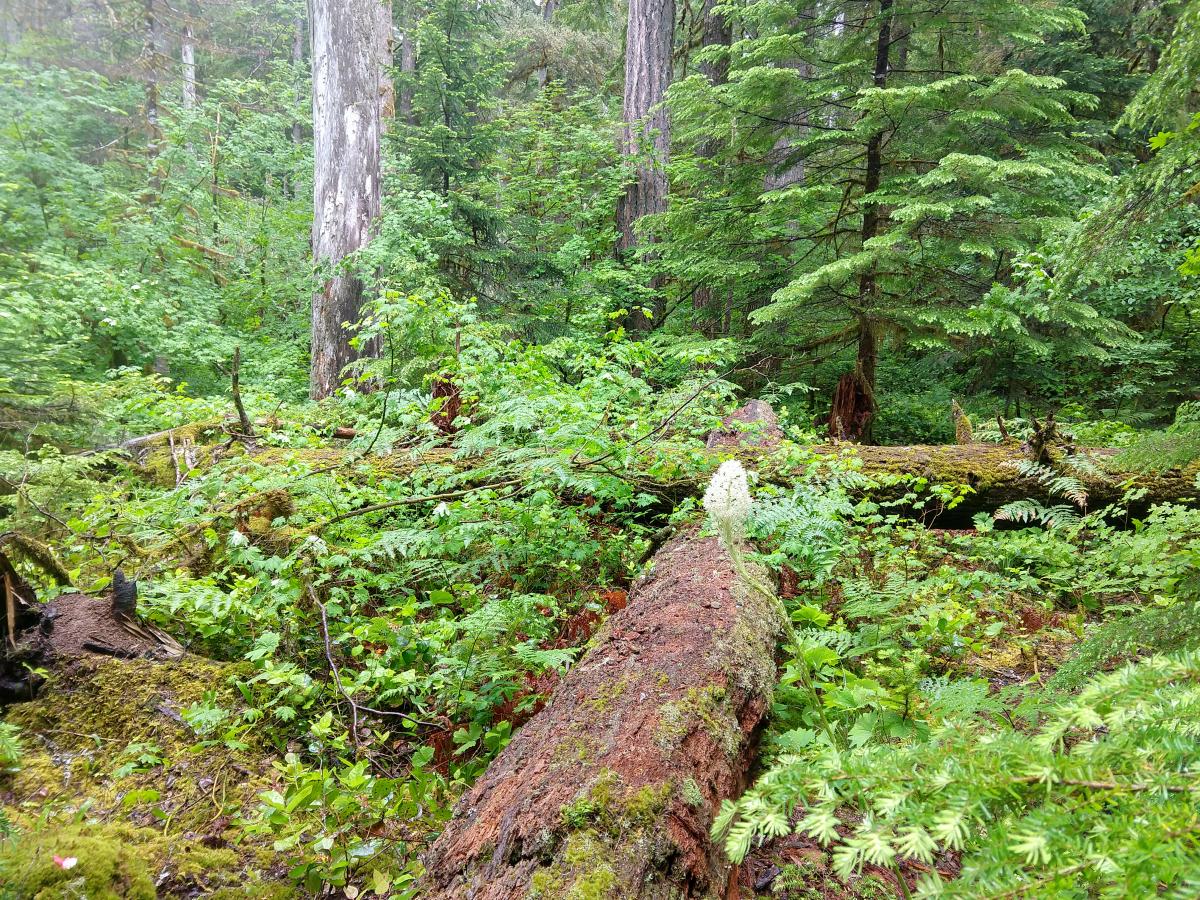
x,y
350,40
715,37
408,64
187,56
646,140
932,161
299,27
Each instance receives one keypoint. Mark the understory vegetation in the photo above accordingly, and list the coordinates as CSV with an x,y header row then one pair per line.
x,y
955,247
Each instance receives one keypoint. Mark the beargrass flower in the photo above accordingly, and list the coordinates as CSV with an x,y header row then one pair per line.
x,y
727,501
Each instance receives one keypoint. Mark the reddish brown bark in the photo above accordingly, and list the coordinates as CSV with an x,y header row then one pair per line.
x,y
615,783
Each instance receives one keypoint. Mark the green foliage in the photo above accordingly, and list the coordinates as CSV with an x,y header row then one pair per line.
x,y
1161,451
10,748
399,603
1100,797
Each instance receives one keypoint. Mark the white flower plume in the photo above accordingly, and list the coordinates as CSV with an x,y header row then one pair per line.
x,y
728,499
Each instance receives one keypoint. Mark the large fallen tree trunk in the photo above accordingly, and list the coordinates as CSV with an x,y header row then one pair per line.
x,y
980,477
983,476
611,789
993,475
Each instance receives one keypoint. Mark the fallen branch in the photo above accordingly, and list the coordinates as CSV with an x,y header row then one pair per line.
x,y
355,707
412,501
211,252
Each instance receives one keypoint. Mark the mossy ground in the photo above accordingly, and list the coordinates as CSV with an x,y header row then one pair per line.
x,y
114,776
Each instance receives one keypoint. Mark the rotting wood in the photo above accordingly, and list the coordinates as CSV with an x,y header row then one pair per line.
x,y
992,472
614,785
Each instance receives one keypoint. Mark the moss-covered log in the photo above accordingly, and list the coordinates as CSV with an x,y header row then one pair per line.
x,y
610,790
993,473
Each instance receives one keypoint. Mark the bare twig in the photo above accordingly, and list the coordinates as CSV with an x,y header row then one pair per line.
x,y
333,669
355,708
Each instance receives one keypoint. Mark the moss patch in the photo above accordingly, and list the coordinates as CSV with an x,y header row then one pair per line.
x,y
103,869
107,740
584,872
699,707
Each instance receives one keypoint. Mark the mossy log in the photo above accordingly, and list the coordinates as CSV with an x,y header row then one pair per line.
x,y
610,791
993,472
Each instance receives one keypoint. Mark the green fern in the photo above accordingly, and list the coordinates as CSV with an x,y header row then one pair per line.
x,y
1162,451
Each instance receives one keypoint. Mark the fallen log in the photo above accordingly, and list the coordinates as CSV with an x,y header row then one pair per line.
x,y
996,474
984,476
611,789
987,475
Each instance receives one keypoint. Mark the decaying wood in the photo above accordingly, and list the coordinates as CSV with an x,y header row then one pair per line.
x,y
615,783
752,425
989,473
963,433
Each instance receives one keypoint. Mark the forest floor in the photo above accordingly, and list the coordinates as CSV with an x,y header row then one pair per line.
x,y
320,729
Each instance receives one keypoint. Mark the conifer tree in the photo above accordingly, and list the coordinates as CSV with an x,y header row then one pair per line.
x,y
932,161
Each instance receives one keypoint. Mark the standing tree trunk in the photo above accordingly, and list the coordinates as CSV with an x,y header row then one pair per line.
x,y
187,55
298,29
349,52
149,65
408,66
543,71
853,409
716,32
649,44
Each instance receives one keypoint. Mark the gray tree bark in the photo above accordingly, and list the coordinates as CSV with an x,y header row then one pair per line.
x,y
187,56
543,72
408,65
149,65
298,28
649,42
349,52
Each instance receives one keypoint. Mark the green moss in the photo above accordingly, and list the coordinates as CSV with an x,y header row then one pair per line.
x,y
607,808
83,738
256,891
119,853
545,883
747,653
607,695
572,751
583,872
699,707
690,792
595,878
82,724
643,808
105,868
